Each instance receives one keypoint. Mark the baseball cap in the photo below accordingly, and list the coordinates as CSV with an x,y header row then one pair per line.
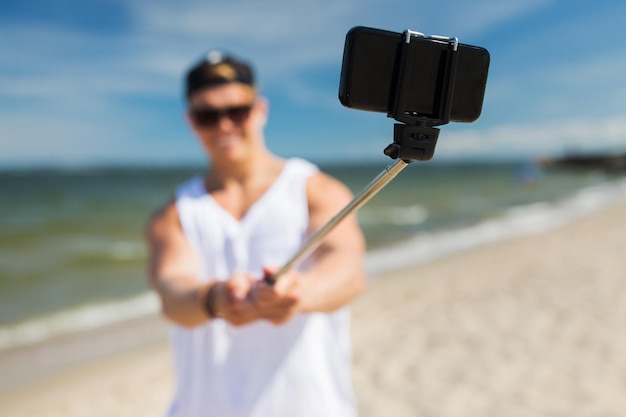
x,y
215,68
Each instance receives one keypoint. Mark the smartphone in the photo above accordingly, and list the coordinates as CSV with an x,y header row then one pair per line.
x,y
371,69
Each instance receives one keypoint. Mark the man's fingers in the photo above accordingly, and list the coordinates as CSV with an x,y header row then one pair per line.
x,y
268,295
239,286
268,275
286,286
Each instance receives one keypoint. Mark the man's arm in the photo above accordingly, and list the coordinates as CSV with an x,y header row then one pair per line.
x,y
174,274
337,274
173,269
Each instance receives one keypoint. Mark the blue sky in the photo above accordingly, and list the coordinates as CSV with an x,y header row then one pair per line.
x,y
99,82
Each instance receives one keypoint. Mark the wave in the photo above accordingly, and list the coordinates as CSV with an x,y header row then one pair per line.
x,y
515,222
124,250
396,216
77,319
108,250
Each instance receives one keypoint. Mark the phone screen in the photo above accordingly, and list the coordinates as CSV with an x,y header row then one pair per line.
x,y
371,63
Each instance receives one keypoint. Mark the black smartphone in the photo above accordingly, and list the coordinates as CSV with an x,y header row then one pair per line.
x,y
370,72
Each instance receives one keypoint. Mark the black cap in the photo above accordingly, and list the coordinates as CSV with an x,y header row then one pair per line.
x,y
217,68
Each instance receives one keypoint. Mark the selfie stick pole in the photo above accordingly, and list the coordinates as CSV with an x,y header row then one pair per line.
x,y
357,202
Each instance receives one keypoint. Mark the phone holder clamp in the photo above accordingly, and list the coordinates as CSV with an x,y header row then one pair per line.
x,y
416,137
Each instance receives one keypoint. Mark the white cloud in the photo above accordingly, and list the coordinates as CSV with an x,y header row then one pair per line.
x,y
60,139
552,138
478,16
278,36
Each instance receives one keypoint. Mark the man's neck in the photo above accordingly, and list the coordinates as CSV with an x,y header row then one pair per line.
x,y
238,187
263,165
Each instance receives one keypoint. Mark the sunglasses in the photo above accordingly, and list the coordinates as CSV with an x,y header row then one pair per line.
x,y
206,117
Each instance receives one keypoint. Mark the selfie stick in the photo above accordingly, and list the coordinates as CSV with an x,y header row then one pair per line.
x,y
415,141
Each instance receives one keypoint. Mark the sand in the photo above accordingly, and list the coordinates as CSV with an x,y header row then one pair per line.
x,y
527,327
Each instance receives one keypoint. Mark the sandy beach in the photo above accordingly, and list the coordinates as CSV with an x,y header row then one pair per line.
x,y
527,327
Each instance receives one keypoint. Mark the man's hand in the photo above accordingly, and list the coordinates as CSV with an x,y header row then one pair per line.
x,y
277,303
232,302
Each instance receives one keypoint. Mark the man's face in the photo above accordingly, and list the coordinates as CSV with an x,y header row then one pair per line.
x,y
228,119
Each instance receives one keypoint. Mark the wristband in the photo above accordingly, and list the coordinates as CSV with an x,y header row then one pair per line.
x,y
207,299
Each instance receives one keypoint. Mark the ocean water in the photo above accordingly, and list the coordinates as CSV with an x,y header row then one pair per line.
x,y
71,242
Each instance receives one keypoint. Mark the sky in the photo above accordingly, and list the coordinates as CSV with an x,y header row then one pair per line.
x,y
99,82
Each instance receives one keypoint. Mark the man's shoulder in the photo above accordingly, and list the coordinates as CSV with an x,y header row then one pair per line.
x,y
299,164
194,187
323,187
167,214
162,219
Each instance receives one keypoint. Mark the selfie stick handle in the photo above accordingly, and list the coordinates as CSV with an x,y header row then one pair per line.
x,y
357,202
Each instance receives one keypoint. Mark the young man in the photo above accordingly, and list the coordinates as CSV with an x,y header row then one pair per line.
x,y
243,347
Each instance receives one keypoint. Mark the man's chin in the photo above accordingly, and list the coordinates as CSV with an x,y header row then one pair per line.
x,y
229,154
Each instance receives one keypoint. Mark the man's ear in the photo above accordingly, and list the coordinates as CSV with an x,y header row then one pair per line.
x,y
189,119
263,106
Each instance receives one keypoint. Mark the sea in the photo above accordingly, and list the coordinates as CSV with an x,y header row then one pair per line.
x,y
72,255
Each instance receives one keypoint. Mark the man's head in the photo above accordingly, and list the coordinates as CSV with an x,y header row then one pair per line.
x,y
223,107
218,68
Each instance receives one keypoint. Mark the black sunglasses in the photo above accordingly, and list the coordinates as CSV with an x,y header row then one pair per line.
x,y
207,117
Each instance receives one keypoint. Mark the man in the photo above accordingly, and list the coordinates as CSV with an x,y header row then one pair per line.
x,y
243,347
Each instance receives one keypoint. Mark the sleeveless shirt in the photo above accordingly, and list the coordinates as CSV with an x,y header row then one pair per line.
x,y
298,369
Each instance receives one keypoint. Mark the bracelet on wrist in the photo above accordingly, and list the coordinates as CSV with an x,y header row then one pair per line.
x,y
208,298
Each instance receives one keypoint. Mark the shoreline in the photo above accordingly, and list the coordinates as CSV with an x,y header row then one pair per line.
x,y
526,326
29,363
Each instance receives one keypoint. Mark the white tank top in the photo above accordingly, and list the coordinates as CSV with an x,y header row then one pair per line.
x,y
300,369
